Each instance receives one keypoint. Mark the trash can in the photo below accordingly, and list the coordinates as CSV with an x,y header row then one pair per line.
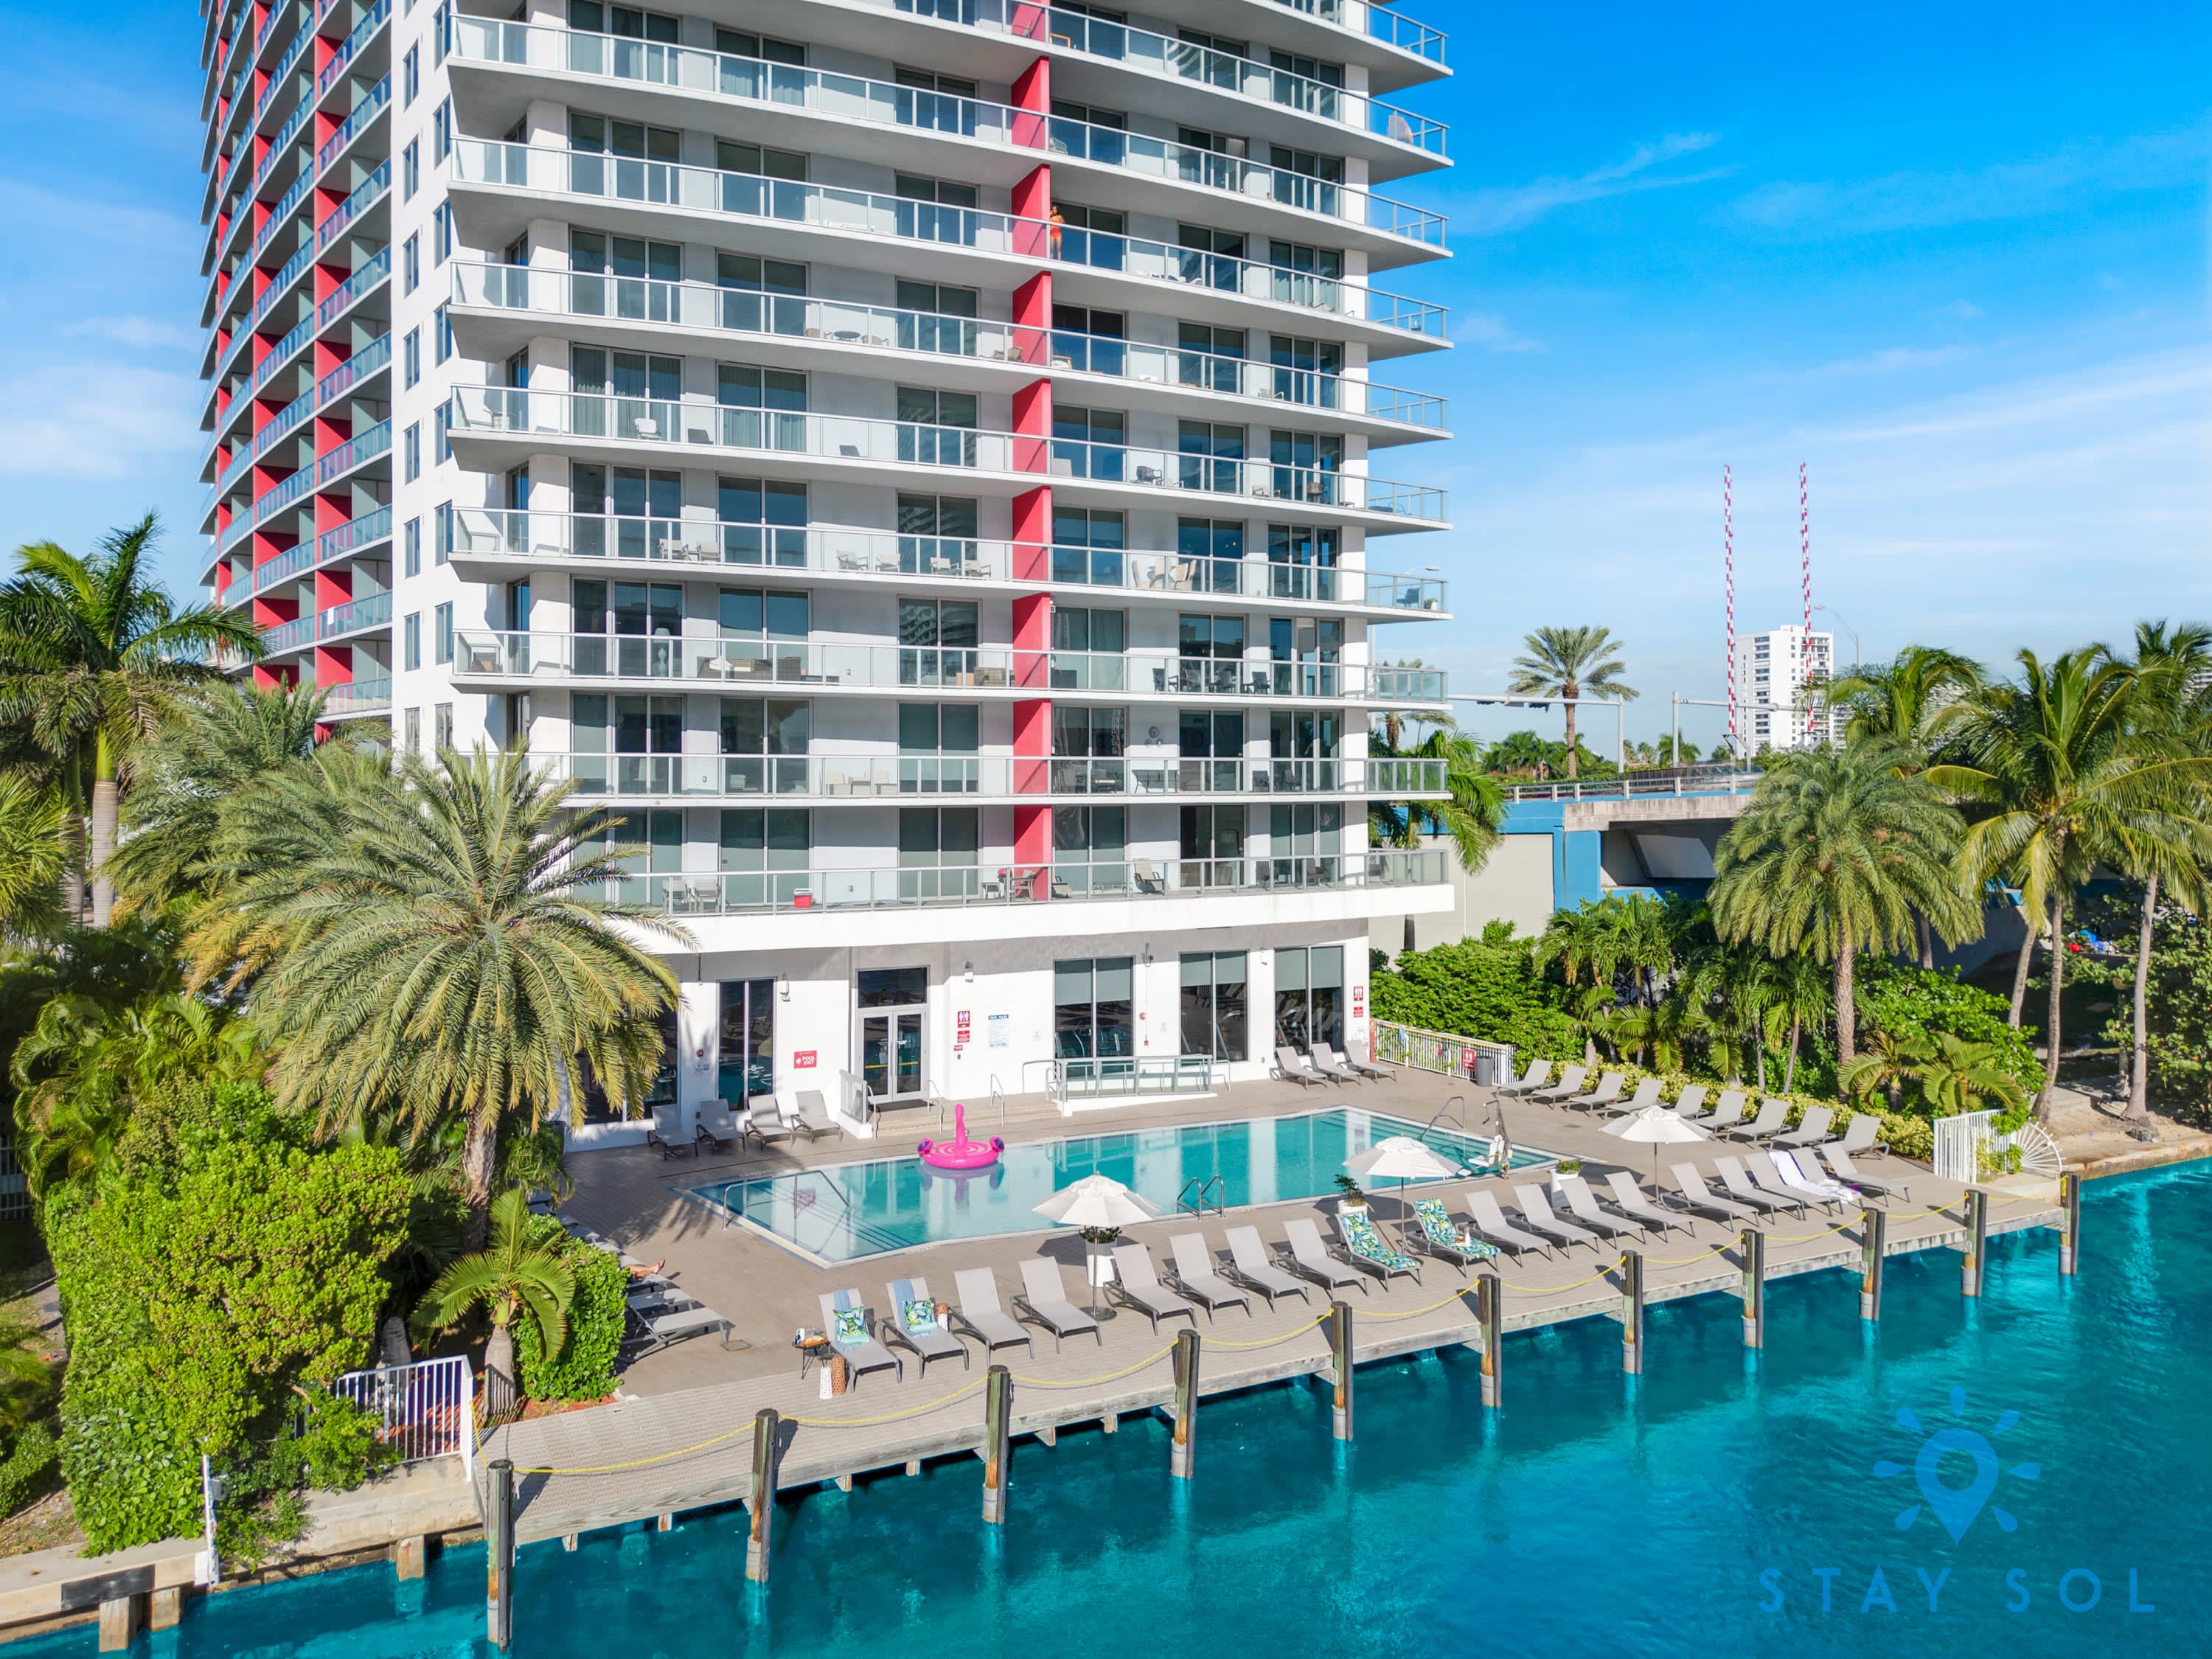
x,y
1486,1068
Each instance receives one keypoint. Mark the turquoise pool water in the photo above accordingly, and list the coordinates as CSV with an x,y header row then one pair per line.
x,y
858,1210
1588,1517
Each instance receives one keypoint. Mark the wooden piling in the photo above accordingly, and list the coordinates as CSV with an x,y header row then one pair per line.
x,y
118,1623
1755,1288
663,1522
409,1557
2069,1222
1977,1244
1631,1312
499,1554
1340,1349
1873,1248
1182,1451
760,1504
1490,1313
997,1415
165,1608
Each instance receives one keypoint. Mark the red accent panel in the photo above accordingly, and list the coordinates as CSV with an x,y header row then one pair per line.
x,y
1033,842
1032,206
1033,426
1033,535
1032,125
1033,319
1032,623
334,664
1029,22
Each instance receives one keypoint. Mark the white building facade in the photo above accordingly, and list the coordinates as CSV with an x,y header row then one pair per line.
x,y
930,465
1779,680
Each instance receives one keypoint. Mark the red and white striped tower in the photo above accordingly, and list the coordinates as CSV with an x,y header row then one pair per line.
x,y
1805,571
1727,566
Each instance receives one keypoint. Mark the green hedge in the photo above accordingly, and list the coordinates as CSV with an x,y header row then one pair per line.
x,y
585,1367
1472,988
29,1464
1934,1001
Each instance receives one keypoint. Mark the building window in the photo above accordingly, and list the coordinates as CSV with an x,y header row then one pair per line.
x,y
441,325
1210,455
764,856
1089,443
626,21
742,43
1309,996
937,852
442,131
414,731
410,541
410,262
1090,850
1087,544
441,448
442,627
411,358
1212,837
441,233
411,169
410,75
1092,1018
764,519
746,1048
443,722
936,642
410,452
1215,1006
444,536
410,640
936,534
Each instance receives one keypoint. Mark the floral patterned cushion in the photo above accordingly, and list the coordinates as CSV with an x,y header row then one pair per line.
x,y
852,1325
1359,1233
919,1316
1434,1222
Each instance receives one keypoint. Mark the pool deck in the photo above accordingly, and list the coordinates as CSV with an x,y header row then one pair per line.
x,y
679,1435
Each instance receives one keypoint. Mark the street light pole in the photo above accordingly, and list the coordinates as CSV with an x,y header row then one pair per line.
x,y
1847,628
1619,705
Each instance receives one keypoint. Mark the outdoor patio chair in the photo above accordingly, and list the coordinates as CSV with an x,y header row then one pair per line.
x,y
764,1122
1311,1257
1529,1082
650,1335
1489,1221
1536,1210
1607,1092
1772,1114
1570,1082
707,1137
1726,1110
1691,1193
1136,1283
913,1323
1367,1249
660,1298
1044,1299
1366,1069
1248,1265
976,1307
845,1323
1326,1063
1849,1174
1794,1176
1293,1069
1436,1232
1198,1277
1647,1094
1628,1197
813,1116
1582,1204
1744,1190
1859,1135
1812,1130
667,1147
1691,1102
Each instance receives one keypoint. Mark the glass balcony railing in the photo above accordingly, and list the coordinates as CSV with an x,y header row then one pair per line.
x,y
370,105
357,697
853,98
288,636
705,307
373,611
296,561
744,195
830,891
371,190
372,19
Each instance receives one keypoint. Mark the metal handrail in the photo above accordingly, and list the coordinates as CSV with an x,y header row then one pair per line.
x,y
999,1099
1193,1197
1451,1101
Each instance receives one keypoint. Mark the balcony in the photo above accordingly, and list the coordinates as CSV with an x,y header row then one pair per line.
x,y
787,205
703,308
783,665
534,538
373,611
357,698
863,442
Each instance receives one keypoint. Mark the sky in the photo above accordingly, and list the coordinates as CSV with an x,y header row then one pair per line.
x,y
1953,260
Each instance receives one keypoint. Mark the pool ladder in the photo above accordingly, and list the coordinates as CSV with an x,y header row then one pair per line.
x,y
1198,1193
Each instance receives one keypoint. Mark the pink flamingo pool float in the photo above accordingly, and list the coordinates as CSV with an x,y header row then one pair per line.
x,y
960,1153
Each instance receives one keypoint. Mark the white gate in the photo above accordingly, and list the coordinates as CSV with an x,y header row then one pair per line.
x,y
1958,1142
426,1409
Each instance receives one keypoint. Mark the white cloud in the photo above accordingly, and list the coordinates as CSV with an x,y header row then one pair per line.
x,y
1488,331
95,421
1490,212
139,332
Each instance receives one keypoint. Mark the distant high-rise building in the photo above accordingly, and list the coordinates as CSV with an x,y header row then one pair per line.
x,y
1779,675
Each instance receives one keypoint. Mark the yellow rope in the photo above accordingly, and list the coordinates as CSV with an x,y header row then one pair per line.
x,y
1087,1382
1265,1341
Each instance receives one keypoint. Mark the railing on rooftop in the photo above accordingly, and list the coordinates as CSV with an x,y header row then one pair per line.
x,y
1685,780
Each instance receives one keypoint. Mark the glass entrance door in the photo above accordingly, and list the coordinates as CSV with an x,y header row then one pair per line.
x,y
891,1003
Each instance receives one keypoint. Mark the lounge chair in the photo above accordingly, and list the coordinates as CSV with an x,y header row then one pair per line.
x,y
1647,1094
1744,1190
1583,1204
1849,1174
1607,1092
1538,1074
1324,1060
660,1298
1440,1235
1136,1283
1044,1299
913,1323
1691,1192
1628,1198
705,1139
1294,1070
1536,1210
651,1333
1570,1082
1772,1114
813,1117
1726,1110
1366,1069
1248,1265
1812,1130
1859,1135
1311,1257
1489,1221
764,1122
851,1333
668,1148
1367,1249
975,1308
1691,1102
1813,1182
1198,1277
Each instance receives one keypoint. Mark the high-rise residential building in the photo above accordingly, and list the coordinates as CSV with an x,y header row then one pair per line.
x,y
931,464
1779,675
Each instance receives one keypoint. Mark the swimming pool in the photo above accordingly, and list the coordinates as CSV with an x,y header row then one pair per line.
x,y
857,1210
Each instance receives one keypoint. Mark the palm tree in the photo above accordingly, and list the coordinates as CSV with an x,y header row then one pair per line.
x,y
1520,752
33,856
94,656
1734,990
446,953
1801,999
1890,1060
1908,700
1959,1076
1473,816
2063,776
1570,663
1836,851
513,1275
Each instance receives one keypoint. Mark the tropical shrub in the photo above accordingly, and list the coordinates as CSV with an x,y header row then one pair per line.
x,y
28,1467
1477,988
1934,1002
584,1368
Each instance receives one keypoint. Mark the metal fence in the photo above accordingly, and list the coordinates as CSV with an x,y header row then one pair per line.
x,y
425,1409
15,1191
1441,1052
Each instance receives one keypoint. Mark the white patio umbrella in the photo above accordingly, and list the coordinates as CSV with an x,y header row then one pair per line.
x,y
1407,1159
1096,1201
1657,1126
